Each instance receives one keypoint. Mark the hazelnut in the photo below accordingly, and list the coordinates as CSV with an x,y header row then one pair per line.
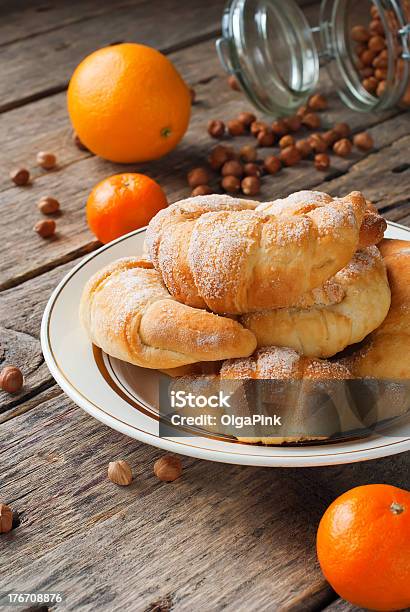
x,y
266,138
272,164
251,185
377,43
380,74
317,102
381,88
231,184
6,518
360,48
304,148
198,176
246,119
317,143
48,205
322,161
216,128
279,127
20,176
376,27
258,126
359,33
363,141
366,72
330,137
293,123
342,147
235,127
232,168
219,155
367,57
252,170
201,190
248,153
290,156
342,129
46,160
233,83
370,84
311,121
301,112
45,228
381,60
168,468
11,379
374,11
78,143
120,472
286,141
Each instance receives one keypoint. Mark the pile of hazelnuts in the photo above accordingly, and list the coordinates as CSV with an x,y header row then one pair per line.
x,y
371,51
241,171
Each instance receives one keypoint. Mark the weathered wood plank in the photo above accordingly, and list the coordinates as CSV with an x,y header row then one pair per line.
x,y
340,605
49,60
246,535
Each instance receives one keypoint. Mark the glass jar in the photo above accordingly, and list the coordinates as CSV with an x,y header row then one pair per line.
x,y
271,49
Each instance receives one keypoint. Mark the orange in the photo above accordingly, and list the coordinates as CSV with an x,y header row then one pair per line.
x,y
363,546
128,103
123,203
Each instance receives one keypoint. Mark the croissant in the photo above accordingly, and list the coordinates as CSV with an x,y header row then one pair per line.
x,y
127,311
235,256
363,301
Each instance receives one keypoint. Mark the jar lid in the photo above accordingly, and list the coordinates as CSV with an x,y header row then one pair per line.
x,y
268,45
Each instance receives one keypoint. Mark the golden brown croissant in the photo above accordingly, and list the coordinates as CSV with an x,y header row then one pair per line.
x,y
324,330
235,256
127,311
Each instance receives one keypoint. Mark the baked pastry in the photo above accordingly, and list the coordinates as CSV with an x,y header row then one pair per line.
x,y
127,311
361,300
235,256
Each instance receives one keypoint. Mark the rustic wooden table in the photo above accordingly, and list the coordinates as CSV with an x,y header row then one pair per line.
x,y
223,536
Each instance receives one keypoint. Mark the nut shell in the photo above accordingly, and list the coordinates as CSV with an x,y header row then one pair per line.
x,y
46,160
48,205
11,379
168,468
6,518
120,472
45,228
20,176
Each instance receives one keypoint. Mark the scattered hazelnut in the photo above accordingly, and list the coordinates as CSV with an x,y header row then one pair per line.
x,y
317,143
251,185
342,147
168,468
46,160
235,127
216,128
120,472
78,143
20,176
272,164
248,153
48,205
317,102
293,123
252,169
311,121
279,127
218,156
198,176
359,33
246,118
381,88
201,190
290,156
370,84
363,141
11,379
286,141
342,129
266,138
232,168
304,148
233,83
45,228
231,184
330,137
322,161
377,43
6,518
258,126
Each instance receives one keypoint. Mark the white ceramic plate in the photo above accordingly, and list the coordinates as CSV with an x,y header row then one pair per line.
x,y
124,396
